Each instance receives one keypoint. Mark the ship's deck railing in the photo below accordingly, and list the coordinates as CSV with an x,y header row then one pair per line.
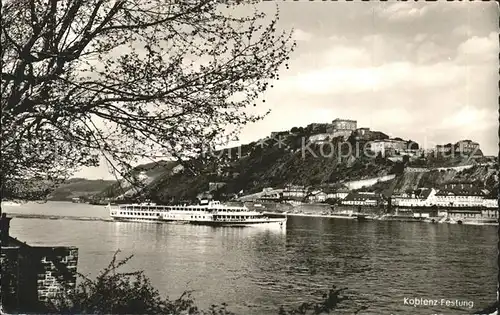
x,y
219,208
240,220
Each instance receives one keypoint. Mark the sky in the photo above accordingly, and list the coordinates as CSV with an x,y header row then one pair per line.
x,y
421,71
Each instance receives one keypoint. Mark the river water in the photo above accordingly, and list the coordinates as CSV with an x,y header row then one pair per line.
x,y
384,265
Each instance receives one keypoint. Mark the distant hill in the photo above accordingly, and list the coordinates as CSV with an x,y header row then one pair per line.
x,y
286,158
148,174
79,187
254,166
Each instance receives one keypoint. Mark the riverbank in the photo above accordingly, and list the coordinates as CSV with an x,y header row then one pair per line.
x,y
388,217
333,216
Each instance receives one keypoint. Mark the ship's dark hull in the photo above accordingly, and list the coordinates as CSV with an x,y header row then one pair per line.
x,y
236,223
271,222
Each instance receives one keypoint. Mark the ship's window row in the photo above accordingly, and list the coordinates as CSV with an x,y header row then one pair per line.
x,y
139,213
240,217
157,213
134,208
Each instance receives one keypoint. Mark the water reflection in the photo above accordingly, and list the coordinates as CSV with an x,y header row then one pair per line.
x,y
256,270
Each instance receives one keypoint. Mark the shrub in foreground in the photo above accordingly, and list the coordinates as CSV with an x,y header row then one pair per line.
x,y
115,292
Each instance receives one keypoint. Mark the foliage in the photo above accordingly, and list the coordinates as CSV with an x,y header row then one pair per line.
x,y
115,292
333,201
155,171
445,160
79,187
267,165
379,159
491,309
398,168
124,80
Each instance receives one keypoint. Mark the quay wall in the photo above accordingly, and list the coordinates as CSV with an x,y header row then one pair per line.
x,y
317,208
450,168
312,208
286,207
454,168
359,209
269,206
32,275
368,182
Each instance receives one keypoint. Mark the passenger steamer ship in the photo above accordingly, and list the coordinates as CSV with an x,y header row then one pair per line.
x,y
207,213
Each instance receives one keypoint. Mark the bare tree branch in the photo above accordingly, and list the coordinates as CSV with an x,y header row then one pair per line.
x,y
127,79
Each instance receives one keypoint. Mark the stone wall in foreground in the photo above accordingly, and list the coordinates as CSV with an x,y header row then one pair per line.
x,y
32,275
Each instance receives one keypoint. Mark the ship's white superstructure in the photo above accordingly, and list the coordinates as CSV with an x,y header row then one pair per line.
x,y
210,213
